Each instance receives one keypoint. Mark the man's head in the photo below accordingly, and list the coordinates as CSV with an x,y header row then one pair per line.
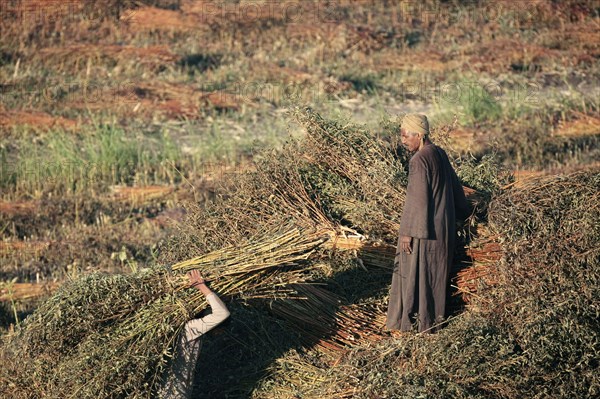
x,y
414,130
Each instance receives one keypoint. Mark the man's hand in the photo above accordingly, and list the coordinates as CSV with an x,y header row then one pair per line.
x,y
197,281
406,244
195,278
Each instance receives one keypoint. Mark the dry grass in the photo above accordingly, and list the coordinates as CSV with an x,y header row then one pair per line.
x,y
24,291
522,178
36,119
148,19
433,61
18,208
502,55
581,126
140,194
28,247
75,57
174,101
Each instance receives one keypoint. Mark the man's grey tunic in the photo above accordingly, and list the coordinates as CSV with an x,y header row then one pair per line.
x,y
420,279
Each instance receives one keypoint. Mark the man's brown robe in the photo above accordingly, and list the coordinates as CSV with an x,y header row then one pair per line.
x,y
420,279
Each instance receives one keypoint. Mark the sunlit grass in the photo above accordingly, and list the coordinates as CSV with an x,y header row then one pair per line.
x,y
103,155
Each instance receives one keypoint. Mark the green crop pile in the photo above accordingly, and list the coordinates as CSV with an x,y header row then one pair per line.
x,y
304,240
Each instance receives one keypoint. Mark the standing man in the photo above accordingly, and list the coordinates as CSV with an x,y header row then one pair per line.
x,y
427,233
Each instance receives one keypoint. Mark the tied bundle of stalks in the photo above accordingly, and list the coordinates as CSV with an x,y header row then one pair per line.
x,y
110,335
327,323
340,174
480,270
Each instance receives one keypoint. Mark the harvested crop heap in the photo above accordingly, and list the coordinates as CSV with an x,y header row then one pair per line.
x,y
110,336
309,235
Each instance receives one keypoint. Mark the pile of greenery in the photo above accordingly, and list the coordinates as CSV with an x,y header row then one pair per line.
x,y
306,234
111,335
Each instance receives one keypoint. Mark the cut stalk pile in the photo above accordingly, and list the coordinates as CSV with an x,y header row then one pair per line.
x,y
278,228
309,234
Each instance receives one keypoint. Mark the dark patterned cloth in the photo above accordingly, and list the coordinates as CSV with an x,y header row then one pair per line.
x,y
179,381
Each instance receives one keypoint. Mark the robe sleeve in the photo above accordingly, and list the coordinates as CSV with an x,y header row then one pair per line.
x,y
461,205
416,213
196,327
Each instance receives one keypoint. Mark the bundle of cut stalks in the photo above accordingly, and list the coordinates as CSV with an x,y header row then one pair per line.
x,y
481,271
328,324
20,291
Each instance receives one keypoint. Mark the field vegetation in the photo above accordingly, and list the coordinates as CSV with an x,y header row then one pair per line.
x,y
136,135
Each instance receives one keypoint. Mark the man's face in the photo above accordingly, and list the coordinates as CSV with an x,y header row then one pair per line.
x,y
410,141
